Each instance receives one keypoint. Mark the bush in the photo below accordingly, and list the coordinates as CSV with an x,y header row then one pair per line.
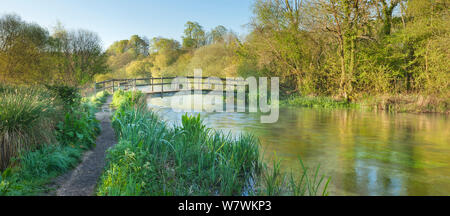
x,y
33,169
38,167
69,96
125,99
34,147
79,128
27,118
317,102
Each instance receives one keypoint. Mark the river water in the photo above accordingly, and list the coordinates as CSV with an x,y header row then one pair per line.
x,y
364,153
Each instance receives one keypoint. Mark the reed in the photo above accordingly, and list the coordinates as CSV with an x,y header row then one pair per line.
x,y
152,158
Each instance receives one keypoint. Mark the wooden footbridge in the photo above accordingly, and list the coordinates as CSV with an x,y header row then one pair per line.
x,y
168,85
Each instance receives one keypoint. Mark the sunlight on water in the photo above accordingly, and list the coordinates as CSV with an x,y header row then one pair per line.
x,y
365,153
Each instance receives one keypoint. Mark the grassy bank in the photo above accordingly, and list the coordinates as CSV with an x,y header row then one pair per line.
x,y
390,103
43,133
154,159
316,102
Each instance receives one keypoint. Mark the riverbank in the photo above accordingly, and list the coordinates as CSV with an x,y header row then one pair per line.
x,y
391,103
83,179
44,133
153,158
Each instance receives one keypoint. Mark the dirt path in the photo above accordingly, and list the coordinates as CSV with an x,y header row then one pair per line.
x,y
83,179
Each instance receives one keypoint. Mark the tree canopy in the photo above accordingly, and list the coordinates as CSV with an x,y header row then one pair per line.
x,y
29,54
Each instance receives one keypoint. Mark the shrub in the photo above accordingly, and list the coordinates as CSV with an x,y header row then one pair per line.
x,y
79,128
27,118
38,167
69,96
34,168
125,99
317,102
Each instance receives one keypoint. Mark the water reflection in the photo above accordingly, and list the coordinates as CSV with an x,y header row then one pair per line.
x,y
365,153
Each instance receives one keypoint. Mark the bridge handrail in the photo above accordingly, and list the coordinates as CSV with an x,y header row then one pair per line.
x,y
159,78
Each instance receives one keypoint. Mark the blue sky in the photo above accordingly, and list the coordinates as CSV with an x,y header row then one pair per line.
x,y
119,19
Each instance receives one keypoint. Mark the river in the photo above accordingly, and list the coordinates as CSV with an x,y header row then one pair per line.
x,y
364,153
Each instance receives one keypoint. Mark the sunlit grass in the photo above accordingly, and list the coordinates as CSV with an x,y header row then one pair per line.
x,y
27,118
154,159
317,102
41,137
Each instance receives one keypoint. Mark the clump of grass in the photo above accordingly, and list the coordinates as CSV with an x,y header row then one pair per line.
x,y
37,168
191,159
27,118
41,137
317,102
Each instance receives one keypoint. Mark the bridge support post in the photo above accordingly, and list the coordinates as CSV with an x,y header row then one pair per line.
x,y
162,87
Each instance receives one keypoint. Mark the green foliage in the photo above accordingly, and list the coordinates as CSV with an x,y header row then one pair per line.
x,y
123,100
317,50
317,102
36,148
4,184
70,96
79,127
191,159
37,168
30,55
27,116
48,161
212,51
194,35
307,184
99,99
153,159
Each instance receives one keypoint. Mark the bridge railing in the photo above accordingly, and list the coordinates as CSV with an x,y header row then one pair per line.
x,y
152,82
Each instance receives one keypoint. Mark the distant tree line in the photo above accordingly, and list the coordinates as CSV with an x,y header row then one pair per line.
x,y
29,54
139,56
343,48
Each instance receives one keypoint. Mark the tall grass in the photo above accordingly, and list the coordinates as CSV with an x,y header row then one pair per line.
x,y
42,136
191,159
317,102
153,159
27,118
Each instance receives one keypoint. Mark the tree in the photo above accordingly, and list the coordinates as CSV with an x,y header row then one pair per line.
x,y
165,52
282,45
21,45
194,36
347,20
140,69
217,34
387,10
78,55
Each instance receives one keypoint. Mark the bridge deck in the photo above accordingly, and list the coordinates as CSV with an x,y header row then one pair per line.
x,y
154,86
